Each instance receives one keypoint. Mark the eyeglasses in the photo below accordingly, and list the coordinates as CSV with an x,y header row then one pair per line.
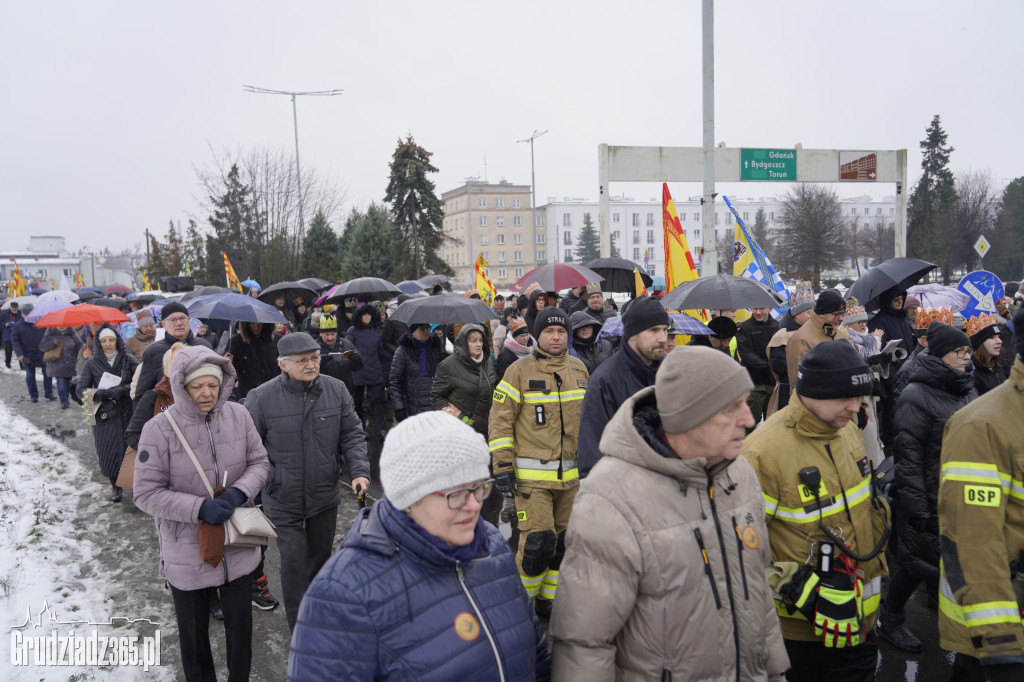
x,y
176,320
457,499
315,360
963,353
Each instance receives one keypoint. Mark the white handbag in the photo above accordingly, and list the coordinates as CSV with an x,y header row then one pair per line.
x,y
247,526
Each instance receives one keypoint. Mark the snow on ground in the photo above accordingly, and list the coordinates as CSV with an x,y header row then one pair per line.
x,y
47,556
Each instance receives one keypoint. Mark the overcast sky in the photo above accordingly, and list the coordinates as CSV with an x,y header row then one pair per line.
x,y
108,107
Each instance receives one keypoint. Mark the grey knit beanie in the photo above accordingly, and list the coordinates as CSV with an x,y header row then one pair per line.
x,y
694,383
207,369
430,452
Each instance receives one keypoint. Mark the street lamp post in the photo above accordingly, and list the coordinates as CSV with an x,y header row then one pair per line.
x,y
295,121
533,190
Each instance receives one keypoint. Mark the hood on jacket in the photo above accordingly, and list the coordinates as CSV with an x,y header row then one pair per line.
x,y
462,344
432,343
933,372
357,316
632,436
97,350
885,300
533,298
266,332
188,360
577,321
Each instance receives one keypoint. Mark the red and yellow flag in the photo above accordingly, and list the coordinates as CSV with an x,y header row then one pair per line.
x,y
20,285
484,287
146,286
229,274
79,280
679,265
638,285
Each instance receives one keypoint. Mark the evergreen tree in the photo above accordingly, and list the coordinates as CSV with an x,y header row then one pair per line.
x,y
614,249
813,234
155,268
195,252
930,225
1006,258
416,211
588,244
370,244
759,231
172,251
233,224
319,250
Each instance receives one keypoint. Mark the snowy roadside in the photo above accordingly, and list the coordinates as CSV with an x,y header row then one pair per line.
x,y
48,559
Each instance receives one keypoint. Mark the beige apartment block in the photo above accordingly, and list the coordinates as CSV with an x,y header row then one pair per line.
x,y
495,219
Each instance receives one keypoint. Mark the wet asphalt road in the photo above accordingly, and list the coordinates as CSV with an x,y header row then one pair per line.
x,y
128,546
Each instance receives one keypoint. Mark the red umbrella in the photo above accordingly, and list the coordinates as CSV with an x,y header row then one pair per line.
x,y
117,289
558,276
78,315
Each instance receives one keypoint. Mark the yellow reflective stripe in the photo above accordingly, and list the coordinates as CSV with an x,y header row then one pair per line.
x,y
854,496
536,475
544,464
872,596
499,443
531,585
770,504
974,615
1017,489
507,389
554,396
974,472
551,577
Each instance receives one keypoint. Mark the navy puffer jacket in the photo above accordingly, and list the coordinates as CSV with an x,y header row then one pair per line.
x,y
409,385
389,605
367,340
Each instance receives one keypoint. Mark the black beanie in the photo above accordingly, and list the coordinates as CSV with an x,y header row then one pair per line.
x,y
1018,332
983,335
723,327
833,370
547,317
942,338
829,301
171,308
643,313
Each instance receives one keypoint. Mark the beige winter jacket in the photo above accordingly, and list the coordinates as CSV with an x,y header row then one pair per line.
x,y
635,599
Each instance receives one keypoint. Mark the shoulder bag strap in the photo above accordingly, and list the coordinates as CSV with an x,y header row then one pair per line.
x,y
192,455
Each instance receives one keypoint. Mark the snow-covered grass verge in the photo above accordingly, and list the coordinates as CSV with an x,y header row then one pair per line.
x,y
48,556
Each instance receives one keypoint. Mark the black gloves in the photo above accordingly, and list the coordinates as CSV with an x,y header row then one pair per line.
x,y
216,511
505,484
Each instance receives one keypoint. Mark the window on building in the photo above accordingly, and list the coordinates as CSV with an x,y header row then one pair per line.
x,y
518,256
517,238
878,211
682,217
516,203
499,202
636,220
892,211
485,256
541,254
500,238
652,270
540,220
481,202
519,273
567,237
566,220
616,235
716,217
483,239
499,221
650,236
696,217
853,211
541,238
567,256
502,273
636,236
652,252
501,256
483,221
746,216
636,254
771,215
616,217
696,234
728,218
517,220
586,216
650,219
867,211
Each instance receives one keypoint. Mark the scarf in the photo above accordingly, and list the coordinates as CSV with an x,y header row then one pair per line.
x,y
428,361
474,550
111,357
519,349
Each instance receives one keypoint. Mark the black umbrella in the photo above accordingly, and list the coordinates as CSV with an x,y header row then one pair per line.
x,y
900,273
434,280
144,297
206,291
290,291
364,289
618,274
234,307
118,303
443,310
315,283
721,292
87,295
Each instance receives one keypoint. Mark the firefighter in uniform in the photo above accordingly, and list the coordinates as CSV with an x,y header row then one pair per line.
x,y
981,531
534,421
826,525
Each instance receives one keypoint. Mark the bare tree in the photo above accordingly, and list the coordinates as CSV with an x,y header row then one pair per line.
x,y
813,233
974,214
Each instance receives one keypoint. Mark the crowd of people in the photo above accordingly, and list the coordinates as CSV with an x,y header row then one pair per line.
x,y
716,506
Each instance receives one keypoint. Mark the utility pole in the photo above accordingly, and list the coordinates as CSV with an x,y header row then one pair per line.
x,y
533,190
709,259
295,121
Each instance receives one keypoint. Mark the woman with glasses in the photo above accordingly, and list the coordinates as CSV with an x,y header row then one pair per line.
x,y
941,382
421,588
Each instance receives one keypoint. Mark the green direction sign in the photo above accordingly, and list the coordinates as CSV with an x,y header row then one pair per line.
x,y
772,165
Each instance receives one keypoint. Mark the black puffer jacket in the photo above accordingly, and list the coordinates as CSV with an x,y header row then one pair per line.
x,y
934,393
410,378
254,358
894,323
752,339
334,365
115,406
466,384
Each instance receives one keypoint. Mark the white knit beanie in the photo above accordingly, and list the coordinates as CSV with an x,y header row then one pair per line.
x,y
207,369
430,452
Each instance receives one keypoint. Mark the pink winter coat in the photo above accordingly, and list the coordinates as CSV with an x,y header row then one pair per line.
x,y
168,487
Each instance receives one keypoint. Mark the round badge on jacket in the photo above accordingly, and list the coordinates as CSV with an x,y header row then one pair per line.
x,y
466,626
749,535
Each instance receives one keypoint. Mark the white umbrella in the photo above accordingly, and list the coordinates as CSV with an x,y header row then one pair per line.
x,y
57,295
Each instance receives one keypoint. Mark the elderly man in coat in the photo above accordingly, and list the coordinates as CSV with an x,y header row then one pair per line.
x,y
662,577
310,428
